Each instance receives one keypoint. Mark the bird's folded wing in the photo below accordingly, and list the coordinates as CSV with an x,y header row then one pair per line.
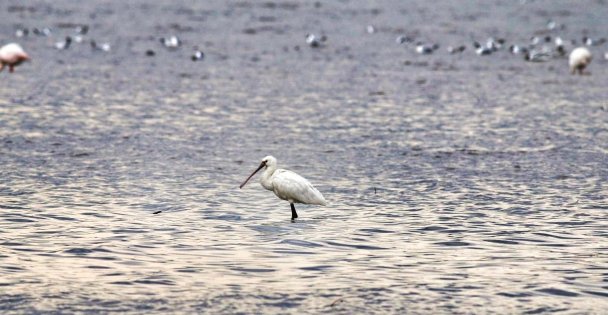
x,y
295,187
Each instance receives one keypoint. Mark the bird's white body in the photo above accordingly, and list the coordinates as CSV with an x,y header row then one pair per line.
x,y
425,49
292,187
12,55
62,45
312,40
287,185
579,59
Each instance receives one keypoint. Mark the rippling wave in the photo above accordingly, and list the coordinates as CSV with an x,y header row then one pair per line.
x,y
455,184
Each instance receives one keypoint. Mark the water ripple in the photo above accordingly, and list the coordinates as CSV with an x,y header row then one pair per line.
x,y
456,184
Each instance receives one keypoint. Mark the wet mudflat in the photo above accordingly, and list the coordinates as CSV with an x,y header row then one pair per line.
x,y
457,183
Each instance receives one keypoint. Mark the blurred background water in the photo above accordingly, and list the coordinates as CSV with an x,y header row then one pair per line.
x,y
456,183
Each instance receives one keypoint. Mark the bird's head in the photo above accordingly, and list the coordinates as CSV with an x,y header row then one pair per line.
x,y
25,57
21,58
267,162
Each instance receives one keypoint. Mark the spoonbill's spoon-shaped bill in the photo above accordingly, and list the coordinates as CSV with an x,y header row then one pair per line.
x,y
262,165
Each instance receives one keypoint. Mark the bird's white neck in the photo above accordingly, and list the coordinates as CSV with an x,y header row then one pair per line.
x,y
266,180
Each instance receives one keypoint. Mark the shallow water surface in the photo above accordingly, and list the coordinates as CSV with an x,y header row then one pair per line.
x,y
457,183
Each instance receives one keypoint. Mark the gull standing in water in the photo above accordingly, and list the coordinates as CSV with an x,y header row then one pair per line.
x,y
287,185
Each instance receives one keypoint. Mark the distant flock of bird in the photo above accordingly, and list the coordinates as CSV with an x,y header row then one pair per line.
x,y
12,55
539,49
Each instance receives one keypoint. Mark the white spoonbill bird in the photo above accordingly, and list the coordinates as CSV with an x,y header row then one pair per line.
x,y
287,185
579,59
12,55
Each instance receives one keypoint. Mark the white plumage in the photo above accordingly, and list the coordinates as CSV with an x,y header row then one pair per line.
x,y
287,185
12,55
579,60
292,187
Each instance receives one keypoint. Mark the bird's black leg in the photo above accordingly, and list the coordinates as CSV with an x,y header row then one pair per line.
x,y
294,214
